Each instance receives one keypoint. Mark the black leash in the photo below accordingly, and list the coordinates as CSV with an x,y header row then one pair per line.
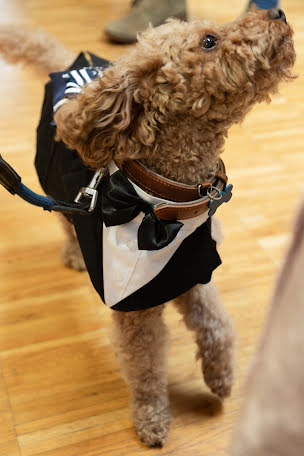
x,y
11,180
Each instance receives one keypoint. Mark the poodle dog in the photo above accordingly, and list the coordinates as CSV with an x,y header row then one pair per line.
x,y
168,103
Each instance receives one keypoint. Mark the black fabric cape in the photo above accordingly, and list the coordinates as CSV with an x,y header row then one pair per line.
x,y
62,173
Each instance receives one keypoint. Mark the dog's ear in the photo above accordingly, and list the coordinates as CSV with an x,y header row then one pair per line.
x,y
91,122
107,118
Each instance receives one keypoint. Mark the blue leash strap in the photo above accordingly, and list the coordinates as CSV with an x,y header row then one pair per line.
x,y
33,198
10,180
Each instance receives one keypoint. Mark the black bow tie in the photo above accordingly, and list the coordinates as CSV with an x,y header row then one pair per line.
x,y
120,204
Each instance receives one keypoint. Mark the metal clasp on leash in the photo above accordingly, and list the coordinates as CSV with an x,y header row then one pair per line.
x,y
90,191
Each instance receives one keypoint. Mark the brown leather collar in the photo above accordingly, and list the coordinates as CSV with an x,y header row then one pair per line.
x,y
187,200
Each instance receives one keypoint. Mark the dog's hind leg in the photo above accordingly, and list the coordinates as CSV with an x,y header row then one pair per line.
x,y
140,342
215,337
71,254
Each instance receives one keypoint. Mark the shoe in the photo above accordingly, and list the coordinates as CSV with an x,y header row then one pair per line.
x,y
144,12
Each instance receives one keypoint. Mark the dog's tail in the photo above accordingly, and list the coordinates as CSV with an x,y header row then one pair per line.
x,y
34,47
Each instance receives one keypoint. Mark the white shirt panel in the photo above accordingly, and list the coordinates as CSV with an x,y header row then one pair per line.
x,y
125,268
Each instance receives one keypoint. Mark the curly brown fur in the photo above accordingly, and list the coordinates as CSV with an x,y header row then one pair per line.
x,y
140,341
34,47
169,103
204,314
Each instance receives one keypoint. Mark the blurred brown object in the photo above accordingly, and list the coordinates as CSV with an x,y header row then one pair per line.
x,y
142,13
272,416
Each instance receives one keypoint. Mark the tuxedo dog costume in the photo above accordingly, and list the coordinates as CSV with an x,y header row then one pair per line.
x,y
135,260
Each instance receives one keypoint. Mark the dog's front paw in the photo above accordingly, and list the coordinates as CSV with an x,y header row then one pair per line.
x,y
219,377
72,256
152,422
220,386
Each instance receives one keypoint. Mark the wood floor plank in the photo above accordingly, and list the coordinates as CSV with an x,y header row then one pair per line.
x,y
9,445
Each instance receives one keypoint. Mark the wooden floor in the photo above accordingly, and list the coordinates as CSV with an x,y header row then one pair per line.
x,y
61,393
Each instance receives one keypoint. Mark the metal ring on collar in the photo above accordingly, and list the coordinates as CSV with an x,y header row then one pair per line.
x,y
212,189
199,191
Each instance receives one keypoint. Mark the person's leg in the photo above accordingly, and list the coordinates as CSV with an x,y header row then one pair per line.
x,y
142,13
272,416
265,4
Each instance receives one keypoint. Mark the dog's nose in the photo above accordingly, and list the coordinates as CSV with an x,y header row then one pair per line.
x,y
277,13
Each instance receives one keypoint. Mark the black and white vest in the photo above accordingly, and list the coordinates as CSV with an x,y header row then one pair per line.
x,y
125,277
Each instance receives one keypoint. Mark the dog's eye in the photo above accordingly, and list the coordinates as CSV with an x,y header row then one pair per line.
x,y
209,42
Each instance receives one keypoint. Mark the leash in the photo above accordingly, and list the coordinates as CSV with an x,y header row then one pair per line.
x,y
11,181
